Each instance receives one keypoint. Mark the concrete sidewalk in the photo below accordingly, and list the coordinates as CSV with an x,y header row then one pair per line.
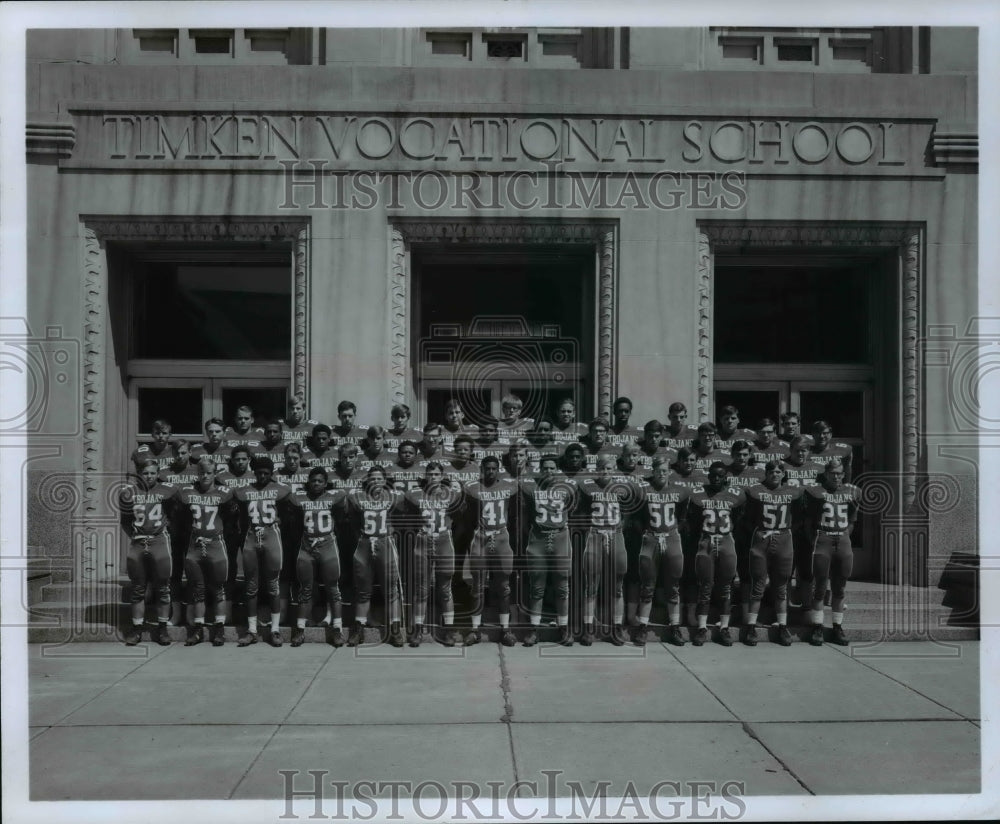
x,y
207,723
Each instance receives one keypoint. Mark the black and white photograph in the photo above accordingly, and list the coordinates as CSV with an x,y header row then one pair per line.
x,y
498,411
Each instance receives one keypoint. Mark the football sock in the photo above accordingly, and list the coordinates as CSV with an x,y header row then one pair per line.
x,y
252,625
448,617
562,620
838,617
220,619
751,617
300,623
199,622
338,623
363,620
505,620
275,621
783,618
675,614
703,621
137,622
536,620
724,621
476,621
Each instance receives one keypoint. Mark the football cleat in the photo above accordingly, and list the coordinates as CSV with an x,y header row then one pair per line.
x,y
416,635
396,635
816,635
700,636
639,635
218,635
587,636
298,637
336,637
357,636
450,637
195,635
472,638
276,638
246,639
750,635
163,635
725,637
531,638
838,637
784,636
565,636
674,635
133,635
507,638
617,635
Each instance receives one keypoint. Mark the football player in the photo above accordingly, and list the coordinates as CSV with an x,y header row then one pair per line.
x,y
319,449
706,448
260,519
743,476
741,473
157,448
831,508
767,446
791,427
548,500
684,471
711,514
566,429
272,444
209,510
728,429
318,557
650,447
400,430
344,475
347,431
238,474
661,557
296,428
489,444
608,499
430,445
373,508
292,473
373,451
620,432
596,445
771,509
405,475
677,434
800,471
433,505
243,432
144,509
491,555
454,424
540,441
824,449
213,445
179,471
511,425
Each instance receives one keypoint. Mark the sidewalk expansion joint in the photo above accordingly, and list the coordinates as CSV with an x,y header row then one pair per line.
x,y
508,710
749,730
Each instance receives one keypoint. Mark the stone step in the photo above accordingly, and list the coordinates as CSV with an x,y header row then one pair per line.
x,y
55,621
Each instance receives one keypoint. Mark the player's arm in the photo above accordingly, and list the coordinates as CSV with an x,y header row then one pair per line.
x,y
126,509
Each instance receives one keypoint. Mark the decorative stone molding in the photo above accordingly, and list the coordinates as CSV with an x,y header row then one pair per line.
x,y
601,235
95,342
197,229
57,139
955,148
300,321
398,339
906,239
703,353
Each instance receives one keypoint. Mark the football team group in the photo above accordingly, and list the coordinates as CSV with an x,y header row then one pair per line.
x,y
583,524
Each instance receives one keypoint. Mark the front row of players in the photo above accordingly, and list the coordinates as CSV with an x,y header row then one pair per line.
x,y
687,538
